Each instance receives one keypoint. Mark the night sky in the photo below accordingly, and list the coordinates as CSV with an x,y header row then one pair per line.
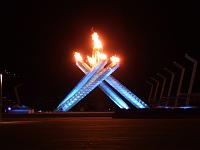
x,y
38,40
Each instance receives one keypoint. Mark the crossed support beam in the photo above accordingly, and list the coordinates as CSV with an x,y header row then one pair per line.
x,y
133,99
97,77
104,87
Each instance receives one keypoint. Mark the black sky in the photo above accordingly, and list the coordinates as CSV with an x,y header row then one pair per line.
x,y
39,38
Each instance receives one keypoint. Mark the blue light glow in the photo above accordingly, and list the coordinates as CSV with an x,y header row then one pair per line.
x,y
107,90
96,78
87,88
90,81
19,111
113,96
84,80
132,98
187,107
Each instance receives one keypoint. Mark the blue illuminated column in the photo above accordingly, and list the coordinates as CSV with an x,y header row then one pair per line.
x,y
82,83
88,87
96,75
105,88
132,98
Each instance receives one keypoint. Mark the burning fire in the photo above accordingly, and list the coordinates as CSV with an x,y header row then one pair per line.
x,y
102,56
91,60
97,54
97,42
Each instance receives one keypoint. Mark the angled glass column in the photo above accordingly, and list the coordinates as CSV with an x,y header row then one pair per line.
x,y
132,98
105,88
87,88
82,83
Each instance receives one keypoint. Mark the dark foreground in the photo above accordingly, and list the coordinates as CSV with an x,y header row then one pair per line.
x,y
99,133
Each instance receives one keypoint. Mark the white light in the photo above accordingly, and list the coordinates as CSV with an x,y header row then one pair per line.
x,y
78,56
91,60
115,59
102,56
97,42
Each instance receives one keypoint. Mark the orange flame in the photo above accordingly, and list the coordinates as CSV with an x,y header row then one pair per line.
x,y
91,60
97,42
78,56
102,56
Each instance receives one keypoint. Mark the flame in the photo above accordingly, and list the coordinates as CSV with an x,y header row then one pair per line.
x,y
97,42
97,55
115,59
78,56
91,60
102,56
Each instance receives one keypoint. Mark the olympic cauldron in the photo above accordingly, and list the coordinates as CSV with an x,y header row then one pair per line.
x,y
98,69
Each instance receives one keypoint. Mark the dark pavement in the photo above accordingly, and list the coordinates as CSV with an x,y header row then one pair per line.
x,y
99,133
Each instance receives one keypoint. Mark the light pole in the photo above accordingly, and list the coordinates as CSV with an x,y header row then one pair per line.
x,y
192,77
151,90
171,81
163,85
157,85
180,81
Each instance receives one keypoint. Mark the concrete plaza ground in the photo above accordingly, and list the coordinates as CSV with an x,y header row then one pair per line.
x,y
99,133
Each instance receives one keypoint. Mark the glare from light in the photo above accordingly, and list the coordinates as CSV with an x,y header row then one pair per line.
x,y
78,56
115,59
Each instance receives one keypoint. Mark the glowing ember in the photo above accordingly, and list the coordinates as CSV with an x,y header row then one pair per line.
x,y
78,56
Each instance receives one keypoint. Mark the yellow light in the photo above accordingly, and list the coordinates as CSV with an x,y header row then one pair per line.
x,y
78,56
115,59
97,42
102,56
91,60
